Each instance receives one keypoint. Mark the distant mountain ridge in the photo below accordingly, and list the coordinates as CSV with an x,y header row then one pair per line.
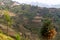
x,y
45,5
32,3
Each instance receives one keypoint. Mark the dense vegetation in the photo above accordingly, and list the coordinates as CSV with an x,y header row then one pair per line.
x,y
22,20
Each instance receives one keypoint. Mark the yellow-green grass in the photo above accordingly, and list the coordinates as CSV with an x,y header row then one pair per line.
x,y
4,37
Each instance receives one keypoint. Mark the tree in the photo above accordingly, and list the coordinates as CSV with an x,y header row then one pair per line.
x,y
18,37
48,30
7,19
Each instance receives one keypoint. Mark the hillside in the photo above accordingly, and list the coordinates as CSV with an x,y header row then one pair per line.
x,y
24,22
4,37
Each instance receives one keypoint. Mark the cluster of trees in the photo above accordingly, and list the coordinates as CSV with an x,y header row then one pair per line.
x,y
23,11
30,11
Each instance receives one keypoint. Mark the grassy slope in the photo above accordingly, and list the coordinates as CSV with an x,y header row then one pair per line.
x,y
4,37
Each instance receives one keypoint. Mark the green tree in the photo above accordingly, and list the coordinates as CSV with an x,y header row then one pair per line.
x,y
18,37
7,19
47,29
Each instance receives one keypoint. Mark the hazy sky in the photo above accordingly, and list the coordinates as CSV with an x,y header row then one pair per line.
x,y
49,2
